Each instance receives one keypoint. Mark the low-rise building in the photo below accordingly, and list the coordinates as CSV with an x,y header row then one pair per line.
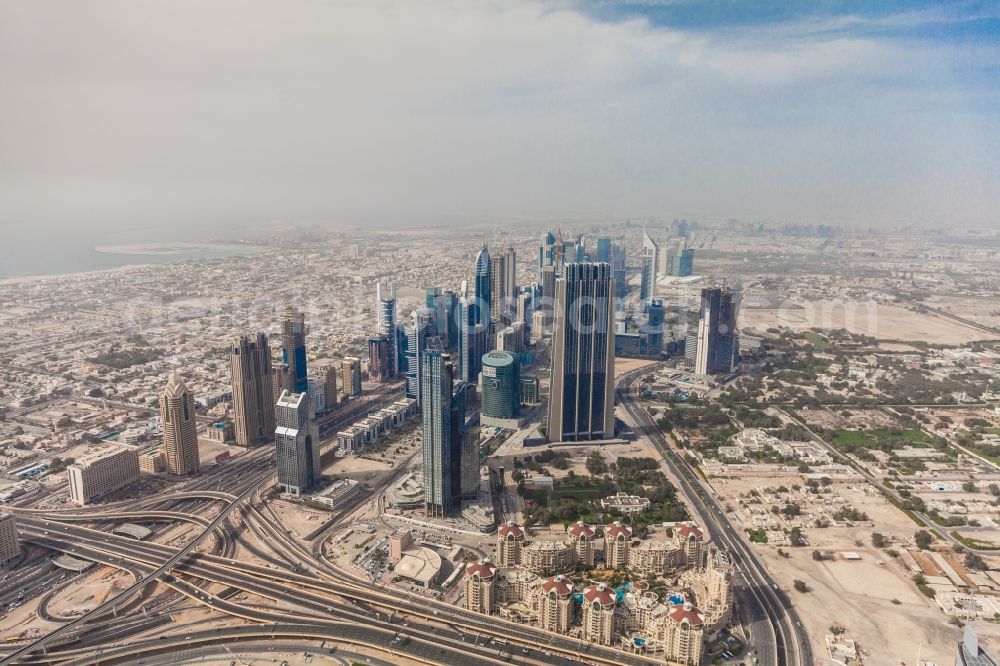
x,y
626,503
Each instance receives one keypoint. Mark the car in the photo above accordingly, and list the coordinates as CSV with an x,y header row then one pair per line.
x,y
187,638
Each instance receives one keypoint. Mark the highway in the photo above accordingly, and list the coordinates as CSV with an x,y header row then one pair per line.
x,y
310,597
784,642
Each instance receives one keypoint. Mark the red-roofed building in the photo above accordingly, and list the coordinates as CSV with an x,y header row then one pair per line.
x,y
617,538
582,535
480,592
510,539
555,607
599,613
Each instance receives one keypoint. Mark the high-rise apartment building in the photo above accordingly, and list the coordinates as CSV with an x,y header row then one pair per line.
x,y
385,312
650,263
99,474
10,544
296,443
180,430
503,278
378,358
717,347
253,390
293,351
581,401
330,395
351,369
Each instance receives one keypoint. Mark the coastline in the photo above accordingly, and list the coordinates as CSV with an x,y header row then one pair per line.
x,y
131,266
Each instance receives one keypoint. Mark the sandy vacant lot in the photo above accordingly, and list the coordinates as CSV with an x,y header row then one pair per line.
x,y
885,322
858,595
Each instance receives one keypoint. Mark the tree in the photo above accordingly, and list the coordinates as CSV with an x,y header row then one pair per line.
x,y
923,539
879,540
970,487
974,561
596,464
95,393
818,556
800,585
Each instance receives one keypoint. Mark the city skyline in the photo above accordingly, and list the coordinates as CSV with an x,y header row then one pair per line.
x,y
274,385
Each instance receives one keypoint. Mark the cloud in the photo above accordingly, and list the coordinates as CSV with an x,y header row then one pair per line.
x,y
395,112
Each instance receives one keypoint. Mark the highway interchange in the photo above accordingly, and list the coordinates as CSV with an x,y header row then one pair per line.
x,y
300,597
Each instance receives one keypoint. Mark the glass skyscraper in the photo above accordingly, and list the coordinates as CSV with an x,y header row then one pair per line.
x,y
482,286
385,312
443,430
501,386
293,350
581,401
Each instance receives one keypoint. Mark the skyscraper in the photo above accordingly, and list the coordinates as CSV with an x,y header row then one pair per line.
x,y
378,358
618,271
650,261
253,390
652,330
718,349
351,368
548,294
330,395
180,430
385,312
499,296
583,355
296,443
501,387
483,300
442,436
546,251
604,250
685,263
417,333
293,350
473,341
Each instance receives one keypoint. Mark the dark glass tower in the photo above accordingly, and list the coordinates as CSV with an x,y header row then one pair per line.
x,y
482,286
441,435
293,351
581,397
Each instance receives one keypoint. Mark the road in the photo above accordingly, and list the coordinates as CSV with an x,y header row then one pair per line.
x,y
319,594
776,631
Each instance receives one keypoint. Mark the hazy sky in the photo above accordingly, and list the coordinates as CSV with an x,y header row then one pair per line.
x,y
120,111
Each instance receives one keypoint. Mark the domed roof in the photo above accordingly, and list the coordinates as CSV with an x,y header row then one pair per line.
x,y
484,568
580,528
616,530
687,613
561,585
601,593
510,528
686,531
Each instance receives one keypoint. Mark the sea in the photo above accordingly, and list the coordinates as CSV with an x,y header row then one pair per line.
x,y
39,249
